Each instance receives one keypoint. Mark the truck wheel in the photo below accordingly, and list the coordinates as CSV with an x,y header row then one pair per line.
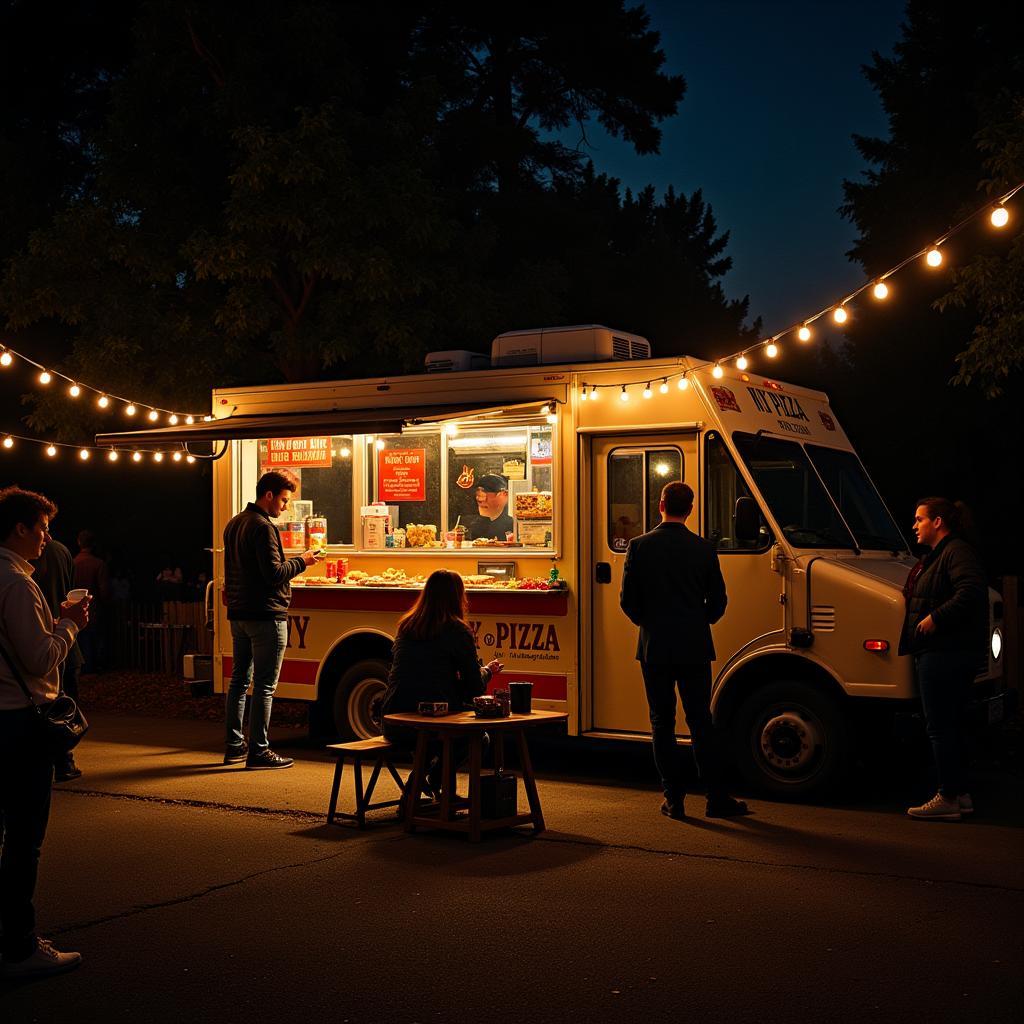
x,y
790,740
357,699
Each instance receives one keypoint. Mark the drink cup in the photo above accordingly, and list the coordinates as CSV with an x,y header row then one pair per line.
x,y
521,697
78,594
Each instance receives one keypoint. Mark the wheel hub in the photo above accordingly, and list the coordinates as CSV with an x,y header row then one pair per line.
x,y
789,742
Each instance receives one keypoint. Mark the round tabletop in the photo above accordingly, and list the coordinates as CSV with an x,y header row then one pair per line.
x,y
467,721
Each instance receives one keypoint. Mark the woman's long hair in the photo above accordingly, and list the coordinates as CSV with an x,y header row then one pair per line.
x,y
442,601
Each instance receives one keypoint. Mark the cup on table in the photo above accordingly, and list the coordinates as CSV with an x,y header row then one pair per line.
x,y
521,697
78,594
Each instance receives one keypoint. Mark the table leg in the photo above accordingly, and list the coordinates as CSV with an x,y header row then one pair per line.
x,y
412,788
529,782
447,776
475,759
499,751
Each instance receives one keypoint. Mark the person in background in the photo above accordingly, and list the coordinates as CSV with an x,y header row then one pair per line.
x,y
672,588
34,647
258,592
54,575
493,521
946,631
91,573
434,659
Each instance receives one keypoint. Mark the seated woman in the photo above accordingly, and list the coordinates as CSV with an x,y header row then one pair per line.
x,y
434,659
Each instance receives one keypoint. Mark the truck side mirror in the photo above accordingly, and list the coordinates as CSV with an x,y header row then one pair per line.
x,y
747,528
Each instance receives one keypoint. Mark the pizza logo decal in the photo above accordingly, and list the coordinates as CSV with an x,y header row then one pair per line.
x,y
726,399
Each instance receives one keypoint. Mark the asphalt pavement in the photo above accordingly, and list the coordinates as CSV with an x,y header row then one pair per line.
x,y
202,892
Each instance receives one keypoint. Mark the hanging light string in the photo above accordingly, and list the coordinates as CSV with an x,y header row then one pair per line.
x,y
999,217
104,399
84,453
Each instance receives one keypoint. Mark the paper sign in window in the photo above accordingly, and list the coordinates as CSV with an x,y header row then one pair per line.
x,y
401,474
298,453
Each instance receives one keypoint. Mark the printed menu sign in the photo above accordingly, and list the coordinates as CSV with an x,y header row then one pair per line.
x,y
308,452
402,474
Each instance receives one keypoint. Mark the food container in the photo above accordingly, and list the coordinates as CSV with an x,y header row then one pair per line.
x,y
419,536
293,535
376,524
316,533
432,708
399,535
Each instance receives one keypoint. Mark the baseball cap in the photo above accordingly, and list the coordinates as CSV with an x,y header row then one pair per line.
x,y
492,482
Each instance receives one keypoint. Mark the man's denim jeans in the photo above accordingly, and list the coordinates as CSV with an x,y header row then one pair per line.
x,y
258,650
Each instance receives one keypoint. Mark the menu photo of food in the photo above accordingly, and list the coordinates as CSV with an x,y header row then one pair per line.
x,y
533,505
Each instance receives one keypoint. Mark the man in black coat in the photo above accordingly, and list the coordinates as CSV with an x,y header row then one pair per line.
x,y
672,588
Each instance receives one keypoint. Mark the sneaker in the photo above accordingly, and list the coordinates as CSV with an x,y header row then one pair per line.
x,y
67,774
232,755
268,759
45,960
673,809
725,807
966,803
939,808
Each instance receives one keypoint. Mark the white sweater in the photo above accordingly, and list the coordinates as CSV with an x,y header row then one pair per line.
x,y
30,636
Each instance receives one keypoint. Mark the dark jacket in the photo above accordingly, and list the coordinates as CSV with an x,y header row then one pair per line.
x,y
256,573
951,588
446,668
55,569
672,588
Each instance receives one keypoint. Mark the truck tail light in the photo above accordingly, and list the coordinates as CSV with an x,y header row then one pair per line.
x,y
881,646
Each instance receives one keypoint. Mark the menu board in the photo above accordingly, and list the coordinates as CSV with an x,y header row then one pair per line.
x,y
401,474
303,452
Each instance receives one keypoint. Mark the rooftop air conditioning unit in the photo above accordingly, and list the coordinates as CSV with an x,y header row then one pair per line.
x,y
456,360
586,343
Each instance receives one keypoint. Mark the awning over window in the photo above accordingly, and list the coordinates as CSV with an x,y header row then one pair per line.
x,y
305,424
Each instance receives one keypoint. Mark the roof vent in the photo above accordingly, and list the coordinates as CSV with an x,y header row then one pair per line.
x,y
585,343
456,360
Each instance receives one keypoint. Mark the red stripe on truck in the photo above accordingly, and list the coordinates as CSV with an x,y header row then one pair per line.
x,y
302,673
544,687
366,599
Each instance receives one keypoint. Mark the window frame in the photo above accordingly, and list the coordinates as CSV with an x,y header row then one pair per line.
x,y
708,438
644,451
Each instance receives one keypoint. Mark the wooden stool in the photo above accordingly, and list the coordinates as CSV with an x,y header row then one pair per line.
x,y
379,749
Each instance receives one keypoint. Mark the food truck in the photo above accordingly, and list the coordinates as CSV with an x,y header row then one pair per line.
x,y
528,472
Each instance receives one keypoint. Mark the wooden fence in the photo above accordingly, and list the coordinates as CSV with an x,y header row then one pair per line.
x,y
154,636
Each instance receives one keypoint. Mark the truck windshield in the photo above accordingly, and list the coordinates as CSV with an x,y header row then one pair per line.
x,y
787,480
858,501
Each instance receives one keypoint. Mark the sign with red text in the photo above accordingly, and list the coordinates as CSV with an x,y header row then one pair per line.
x,y
298,453
402,474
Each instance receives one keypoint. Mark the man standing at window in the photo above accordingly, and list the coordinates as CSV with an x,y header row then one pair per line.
x,y
257,588
493,521
672,588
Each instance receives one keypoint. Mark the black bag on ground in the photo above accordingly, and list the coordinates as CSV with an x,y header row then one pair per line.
x,y
61,721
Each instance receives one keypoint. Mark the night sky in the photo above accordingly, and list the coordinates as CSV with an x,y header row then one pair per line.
x,y
774,93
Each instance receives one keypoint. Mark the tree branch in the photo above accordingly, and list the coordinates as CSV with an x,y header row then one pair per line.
x,y
213,65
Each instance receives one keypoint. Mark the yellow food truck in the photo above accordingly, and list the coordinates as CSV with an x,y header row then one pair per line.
x,y
528,472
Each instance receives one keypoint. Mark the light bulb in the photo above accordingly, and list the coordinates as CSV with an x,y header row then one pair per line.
x,y
552,418
136,456
772,350
741,363
190,420
176,456
804,334
83,454
594,394
6,358
130,409
583,393
103,401
158,456
717,372
346,452
647,390
51,450
452,429
369,438
545,409
380,444
190,459
8,441
74,391
880,291
664,387
840,315
934,258
45,377
154,415
1000,217
623,396
112,455
173,419
683,383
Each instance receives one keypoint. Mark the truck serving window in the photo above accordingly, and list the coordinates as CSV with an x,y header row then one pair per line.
x,y
787,480
862,507
723,487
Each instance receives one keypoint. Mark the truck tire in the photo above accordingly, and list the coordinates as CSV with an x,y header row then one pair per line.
x,y
357,699
790,740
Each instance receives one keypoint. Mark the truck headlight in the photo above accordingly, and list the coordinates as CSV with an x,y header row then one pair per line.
x,y
997,643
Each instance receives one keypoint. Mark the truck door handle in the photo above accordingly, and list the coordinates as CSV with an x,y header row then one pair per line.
x,y
603,572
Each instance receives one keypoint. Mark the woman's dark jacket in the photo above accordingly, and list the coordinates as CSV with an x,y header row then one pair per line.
x,y
951,588
445,668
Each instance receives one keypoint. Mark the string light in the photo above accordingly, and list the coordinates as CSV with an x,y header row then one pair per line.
x,y
83,454
594,396
840,315
664,386
741,363
683,383
552,418
345,452
717,372
190,459
154,415
173,419
6,358
771,350
933,258
8,441
176,456
1000,216
880,291
583,392
380,444
804,334
45,377
136,456
545,409
190,420
647,390
51,450
623,396
112,455
158,456
74,391
103,401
